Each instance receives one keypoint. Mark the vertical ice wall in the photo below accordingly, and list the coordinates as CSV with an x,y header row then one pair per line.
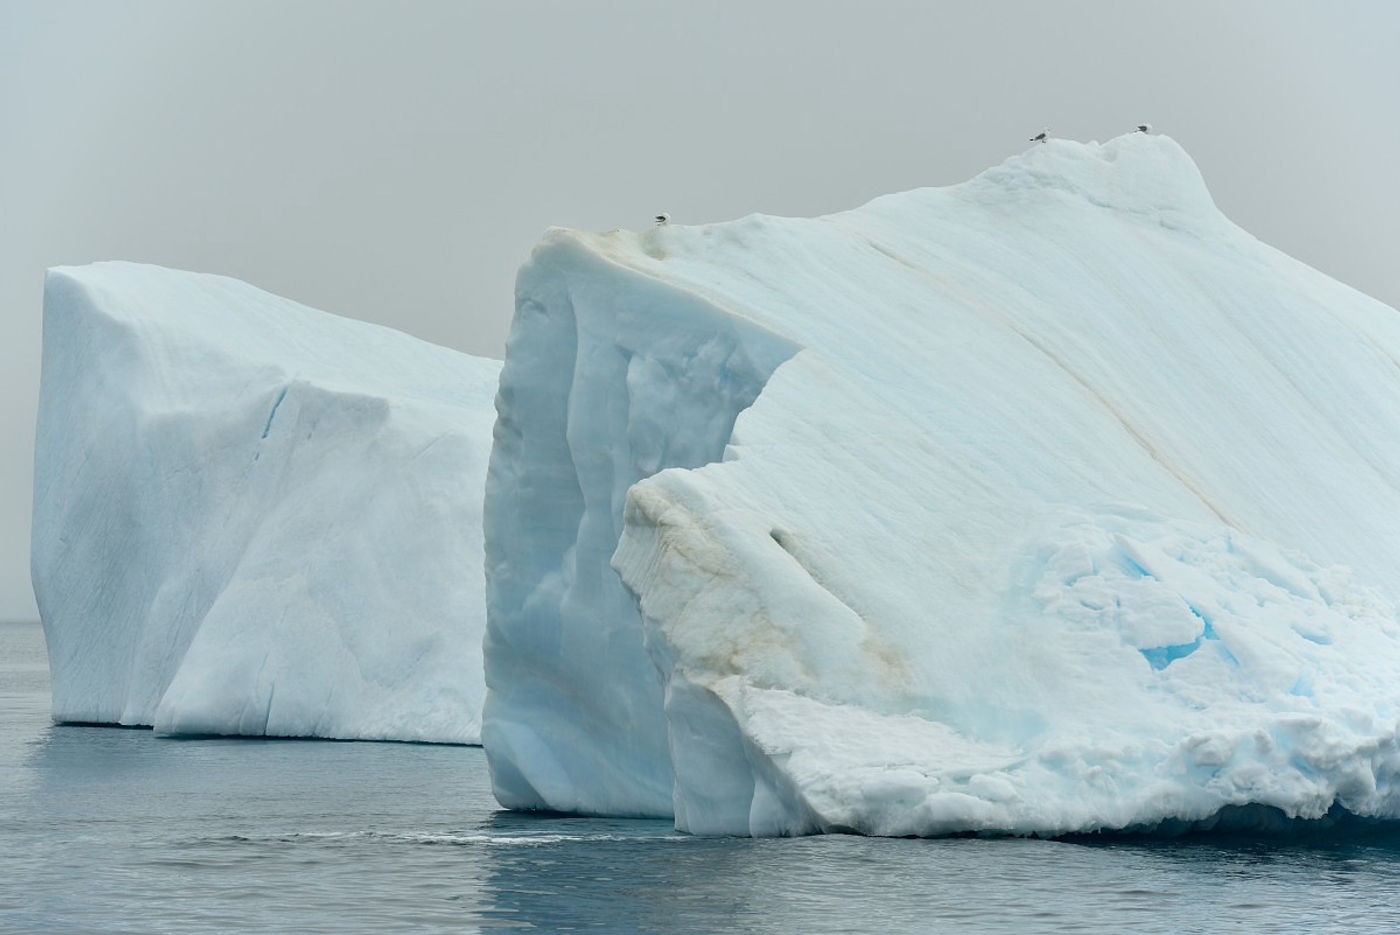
x,y
251,517
609,378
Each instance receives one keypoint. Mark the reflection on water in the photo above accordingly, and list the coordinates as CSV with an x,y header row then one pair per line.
x,y
110,830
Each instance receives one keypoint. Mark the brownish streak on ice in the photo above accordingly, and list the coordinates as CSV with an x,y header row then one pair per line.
x,y
1054,358
1122,420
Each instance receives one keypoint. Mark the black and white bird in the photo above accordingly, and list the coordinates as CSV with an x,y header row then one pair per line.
x,y
1042,136
663,219
1144,128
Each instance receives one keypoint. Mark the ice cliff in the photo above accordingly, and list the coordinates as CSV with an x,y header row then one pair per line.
x,y
1048,502
252,517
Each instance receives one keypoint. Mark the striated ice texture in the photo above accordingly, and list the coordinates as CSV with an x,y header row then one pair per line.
x,y
1047,502
252,517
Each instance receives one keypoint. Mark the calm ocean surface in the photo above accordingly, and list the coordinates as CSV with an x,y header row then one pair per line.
x,y
110,830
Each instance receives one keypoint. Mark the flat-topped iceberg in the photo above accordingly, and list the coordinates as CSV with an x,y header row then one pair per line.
x,y
1044,503
252,517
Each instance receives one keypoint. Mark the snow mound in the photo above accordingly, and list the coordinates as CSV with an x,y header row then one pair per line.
x,y
1044,503
252,517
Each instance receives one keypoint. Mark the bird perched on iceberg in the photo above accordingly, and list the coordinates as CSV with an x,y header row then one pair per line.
x,y
662,219
1042,136
1143,128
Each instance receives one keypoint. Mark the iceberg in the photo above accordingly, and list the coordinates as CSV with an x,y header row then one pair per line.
x,y
252,517
1049,502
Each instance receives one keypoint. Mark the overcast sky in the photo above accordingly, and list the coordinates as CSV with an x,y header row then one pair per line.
x,y
395,162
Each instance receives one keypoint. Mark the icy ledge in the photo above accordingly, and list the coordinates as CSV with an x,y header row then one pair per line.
x,y
1066,505
251,517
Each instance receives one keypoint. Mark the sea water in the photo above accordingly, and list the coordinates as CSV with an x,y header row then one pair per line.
x,y
115,830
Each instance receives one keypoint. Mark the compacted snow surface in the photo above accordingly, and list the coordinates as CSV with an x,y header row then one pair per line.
x,y
251,517
1048,502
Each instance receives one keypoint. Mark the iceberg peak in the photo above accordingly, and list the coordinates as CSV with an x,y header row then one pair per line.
x,y
1135,172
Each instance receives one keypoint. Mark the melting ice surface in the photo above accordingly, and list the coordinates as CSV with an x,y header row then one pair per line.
x,y
1048,502
251,517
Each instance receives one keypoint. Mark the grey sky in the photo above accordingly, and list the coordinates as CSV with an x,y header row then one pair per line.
x,y
395,162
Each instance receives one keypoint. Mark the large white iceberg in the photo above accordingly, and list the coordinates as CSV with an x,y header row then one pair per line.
x,y
1048,502
252,517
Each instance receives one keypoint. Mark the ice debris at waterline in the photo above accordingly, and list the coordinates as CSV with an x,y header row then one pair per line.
x,y
252,517
1048,502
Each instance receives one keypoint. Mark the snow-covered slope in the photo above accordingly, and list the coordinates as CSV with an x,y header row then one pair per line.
x,y
1047,502
251,517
